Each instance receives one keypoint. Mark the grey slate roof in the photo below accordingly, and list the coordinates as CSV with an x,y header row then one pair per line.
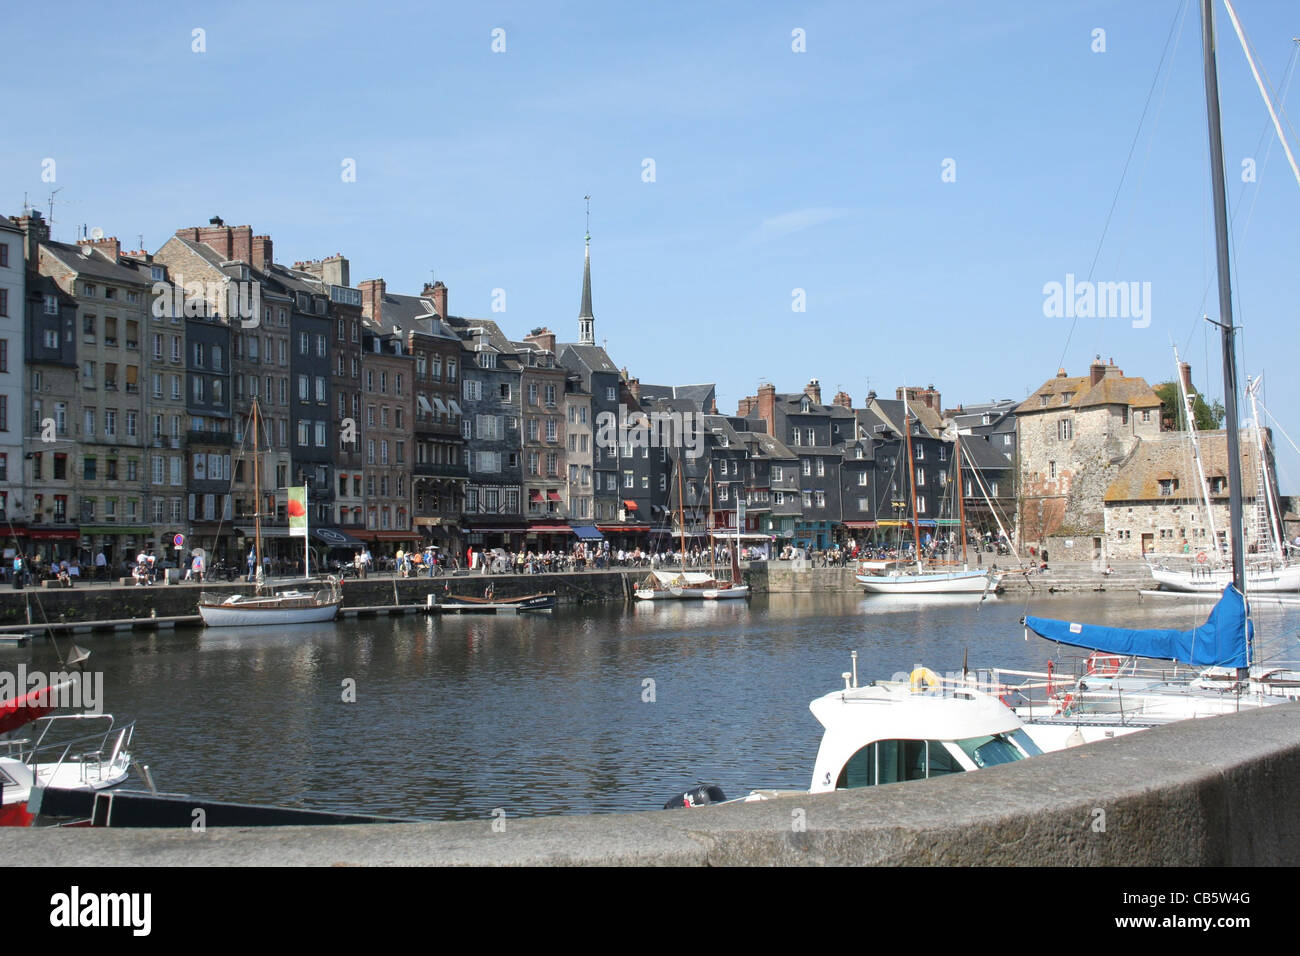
x,y
95,265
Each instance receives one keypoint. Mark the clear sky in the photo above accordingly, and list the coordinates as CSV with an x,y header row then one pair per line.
x,y
773,171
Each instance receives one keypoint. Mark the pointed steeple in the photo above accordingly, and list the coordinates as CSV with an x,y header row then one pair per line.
x,y
586,321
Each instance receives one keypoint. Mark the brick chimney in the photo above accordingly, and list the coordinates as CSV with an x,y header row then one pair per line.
x,y
920,396
438,293
814,391
767,406
109,247
241,244
1060,373
261,253
1185,373
746,405
544,338
372,298
1096,371
842,399
35,231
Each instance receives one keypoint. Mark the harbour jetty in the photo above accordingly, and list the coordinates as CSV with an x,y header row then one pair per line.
x,y
114,606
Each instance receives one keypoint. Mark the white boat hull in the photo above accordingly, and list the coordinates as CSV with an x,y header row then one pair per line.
x,y
1285,578
943,582
737,592
234,615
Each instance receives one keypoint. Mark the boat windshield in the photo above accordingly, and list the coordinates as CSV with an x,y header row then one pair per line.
x,y
990,750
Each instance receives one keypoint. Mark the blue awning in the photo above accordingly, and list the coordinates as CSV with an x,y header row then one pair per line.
x,y
586,532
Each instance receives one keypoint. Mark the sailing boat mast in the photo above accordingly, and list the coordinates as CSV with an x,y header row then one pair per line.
x,y
257,502
961,498
713,569
1190,414
681,509
1225,304
911,480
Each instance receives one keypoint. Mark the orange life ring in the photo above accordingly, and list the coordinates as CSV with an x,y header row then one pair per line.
x,y
1202,558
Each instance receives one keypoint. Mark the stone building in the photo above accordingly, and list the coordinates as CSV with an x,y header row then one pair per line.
x,y
578,444
1073,435
1155,504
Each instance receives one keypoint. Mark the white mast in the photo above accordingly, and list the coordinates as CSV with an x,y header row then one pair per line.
x,y
1196,456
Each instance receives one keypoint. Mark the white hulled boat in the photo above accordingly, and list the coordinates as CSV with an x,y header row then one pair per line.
x,y
307,602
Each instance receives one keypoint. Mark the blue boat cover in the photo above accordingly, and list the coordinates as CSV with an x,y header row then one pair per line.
x,y
1219,642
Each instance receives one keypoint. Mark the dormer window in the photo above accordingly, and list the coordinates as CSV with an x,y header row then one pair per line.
x,y
1042,401
803,406
1065,397
985,420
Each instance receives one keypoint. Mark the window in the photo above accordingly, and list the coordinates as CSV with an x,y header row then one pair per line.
x,y
1146,415
1051,469
1065,429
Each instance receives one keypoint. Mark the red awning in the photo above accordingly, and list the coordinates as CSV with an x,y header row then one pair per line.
x,y
553,495
629,504
534,495
859,524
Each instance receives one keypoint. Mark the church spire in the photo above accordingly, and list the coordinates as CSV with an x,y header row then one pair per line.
x,y
586,320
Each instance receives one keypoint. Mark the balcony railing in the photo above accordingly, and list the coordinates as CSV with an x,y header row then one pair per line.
x,y
441,470
208,437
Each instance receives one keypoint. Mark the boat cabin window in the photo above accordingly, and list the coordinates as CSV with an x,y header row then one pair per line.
x,y
895,761
987,751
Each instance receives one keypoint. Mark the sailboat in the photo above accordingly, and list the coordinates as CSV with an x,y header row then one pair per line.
x,y
1114,698
1268,569
896,579
296,604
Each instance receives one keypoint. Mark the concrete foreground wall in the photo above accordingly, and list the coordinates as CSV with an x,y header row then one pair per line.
x,y
1206,792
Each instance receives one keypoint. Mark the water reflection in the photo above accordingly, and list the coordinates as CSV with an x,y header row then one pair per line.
x,y
456,716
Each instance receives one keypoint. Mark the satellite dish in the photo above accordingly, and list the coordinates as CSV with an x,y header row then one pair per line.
x,y
97,234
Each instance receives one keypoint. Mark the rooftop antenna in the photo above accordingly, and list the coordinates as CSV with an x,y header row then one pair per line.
x,y
52,194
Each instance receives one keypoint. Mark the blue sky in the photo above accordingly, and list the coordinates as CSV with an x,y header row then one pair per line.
x,y
774,171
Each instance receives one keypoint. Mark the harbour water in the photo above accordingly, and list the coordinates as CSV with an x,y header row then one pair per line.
x,y
594,709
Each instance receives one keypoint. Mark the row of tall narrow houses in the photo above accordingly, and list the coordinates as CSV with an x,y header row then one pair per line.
x,y
128,382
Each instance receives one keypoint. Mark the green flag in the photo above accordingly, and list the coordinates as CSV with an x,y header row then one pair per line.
x,y
298,512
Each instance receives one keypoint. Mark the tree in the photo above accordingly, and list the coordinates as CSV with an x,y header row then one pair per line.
x,y
1208,417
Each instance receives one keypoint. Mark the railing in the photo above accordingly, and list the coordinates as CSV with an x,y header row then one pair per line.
x,y
209,437
441,470
99,756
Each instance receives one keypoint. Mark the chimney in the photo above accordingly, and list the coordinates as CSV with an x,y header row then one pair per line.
x,y
217,237
543,338
1185,373
335,271
871,396
1060,373
109,247
633,384
745,406
1096,371
372,298
842,399
438,293
767,406
713,403
35,231
241,244
262,255
814,391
